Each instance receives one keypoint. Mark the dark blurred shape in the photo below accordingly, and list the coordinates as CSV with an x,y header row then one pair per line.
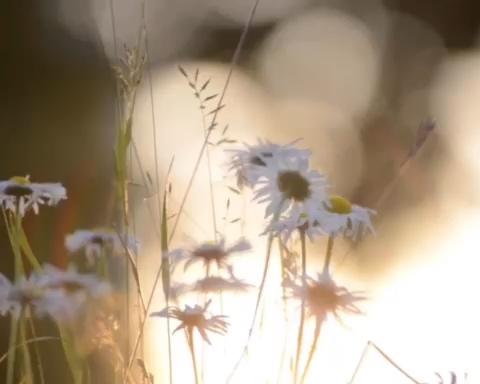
x,y
457,21
56,120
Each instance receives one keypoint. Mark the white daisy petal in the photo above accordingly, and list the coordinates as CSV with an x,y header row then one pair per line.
x,y
94,241
209,253
19,194
249,164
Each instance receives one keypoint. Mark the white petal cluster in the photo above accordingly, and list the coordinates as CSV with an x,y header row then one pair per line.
x,y
324,297
208,253
252,162
96,241
296,196
291,185
195,317
341,217
20,195
61,294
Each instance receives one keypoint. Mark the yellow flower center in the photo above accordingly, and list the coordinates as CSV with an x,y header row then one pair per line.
x,y
340,205
21,180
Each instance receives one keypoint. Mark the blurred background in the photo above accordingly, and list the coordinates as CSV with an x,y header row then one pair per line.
x,y
354,79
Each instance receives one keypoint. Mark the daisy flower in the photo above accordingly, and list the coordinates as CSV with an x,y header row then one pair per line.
x,y
296,219
19,194
290,184
209,253
15,297
341,216
323,296
94,242
249,164
218,284
67,292
195,318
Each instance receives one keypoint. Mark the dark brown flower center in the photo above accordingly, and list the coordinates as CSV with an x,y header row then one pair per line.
x,y
72,286
257,160
323,296
18,190
293,185
99,240
210,254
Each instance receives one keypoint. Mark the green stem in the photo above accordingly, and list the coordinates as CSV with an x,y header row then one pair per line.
x,y
74,361
328,256
27,361
313,348
302,311
11,347
18,271
37,352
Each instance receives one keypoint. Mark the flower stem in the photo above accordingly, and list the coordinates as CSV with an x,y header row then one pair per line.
x,y
328,256
27,361
189,334
11,347
313,348
259,294
12,222
37,351
302,311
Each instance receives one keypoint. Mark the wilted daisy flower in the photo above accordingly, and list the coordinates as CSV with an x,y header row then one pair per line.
x,y
341,216
19,194
195,318
94,242
250,163
323,296
290,184
217,284
209,253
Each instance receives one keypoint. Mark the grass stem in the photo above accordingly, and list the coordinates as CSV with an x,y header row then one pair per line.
x,y
302,310
328,256
313,348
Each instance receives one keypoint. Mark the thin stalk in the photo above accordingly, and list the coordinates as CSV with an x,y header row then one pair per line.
x,y
360,362
29,341
302,311
163,272
156,161
424,131
283,354
393,363
27,361
283,275
371,344
328,256
191,346
205,298
233,63
135,273
259,295
37,352
313,348
11,347
18,271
